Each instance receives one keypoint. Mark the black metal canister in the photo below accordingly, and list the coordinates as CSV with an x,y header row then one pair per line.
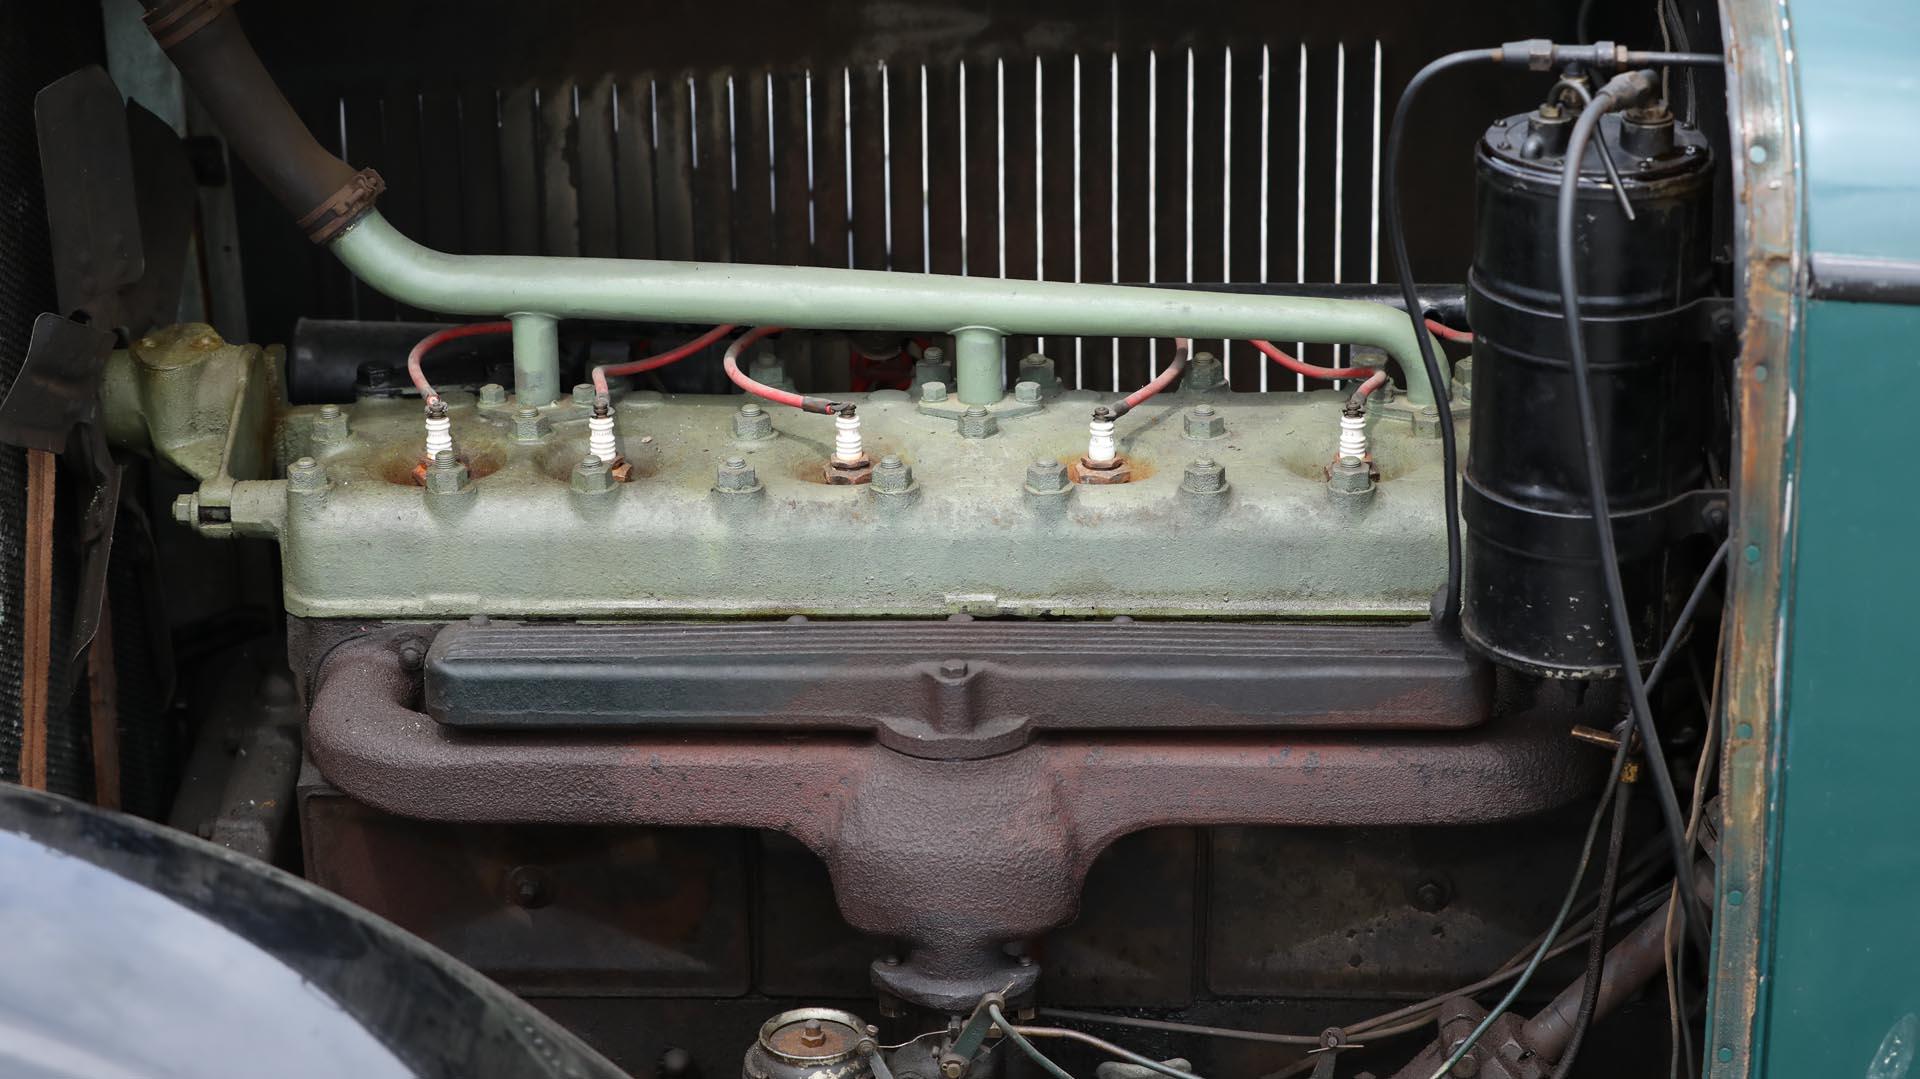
x,y
1533,593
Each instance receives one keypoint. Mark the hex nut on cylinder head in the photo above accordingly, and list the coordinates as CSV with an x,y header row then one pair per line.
x,y
493,395
1205,422
330,425
1204,476
529,425
736,477
933,393
892,476
306,475
1027,393
977,422
752,423
1350,476
448,474
583,394
592,476
1047,477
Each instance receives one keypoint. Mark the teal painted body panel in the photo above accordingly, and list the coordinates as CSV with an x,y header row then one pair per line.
x,y
1846,957
1841,991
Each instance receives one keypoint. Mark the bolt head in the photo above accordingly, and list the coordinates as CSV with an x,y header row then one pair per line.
x,y
1204,422
593,476
1026,392
330,424
493,394
583,394
953,668
736,476
1045,477
1350,476
752,423
892,476
977,422
529,425
186,508
935,354
1204,476
933,393
448,476
306,474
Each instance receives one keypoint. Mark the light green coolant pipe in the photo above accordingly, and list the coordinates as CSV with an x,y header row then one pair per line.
x,y
832,299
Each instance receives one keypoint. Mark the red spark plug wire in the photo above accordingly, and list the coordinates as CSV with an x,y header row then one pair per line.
x,y
731,362
1448,333
654,363
435,340
1182,347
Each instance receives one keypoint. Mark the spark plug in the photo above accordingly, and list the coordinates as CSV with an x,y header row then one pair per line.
x,y
847,446
1353,435
1100,445
439,429
600,440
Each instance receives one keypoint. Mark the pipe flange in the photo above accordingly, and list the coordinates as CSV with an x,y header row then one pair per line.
x,y
345,206
175,21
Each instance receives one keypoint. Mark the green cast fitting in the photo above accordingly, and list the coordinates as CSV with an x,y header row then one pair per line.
x,y
979,374
833,299
536,359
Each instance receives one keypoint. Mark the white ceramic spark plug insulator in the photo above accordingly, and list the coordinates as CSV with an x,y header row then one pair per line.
x,y
600,441
1100,446
847,445
439,435
1353,438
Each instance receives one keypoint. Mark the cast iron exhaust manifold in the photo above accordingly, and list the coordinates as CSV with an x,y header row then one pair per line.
x,y
955,859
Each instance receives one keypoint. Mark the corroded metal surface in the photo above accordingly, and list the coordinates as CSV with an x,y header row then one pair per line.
x,y
953,858
1765,156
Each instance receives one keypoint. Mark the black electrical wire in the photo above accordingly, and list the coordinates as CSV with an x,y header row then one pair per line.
x,y
1603,906
1617,612
1493,1015
1687,611
1446,609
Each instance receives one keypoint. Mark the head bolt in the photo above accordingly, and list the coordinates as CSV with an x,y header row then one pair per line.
x,y
493,394
1204,422
307,474
892,476
593,476
812,1036
977,422
751,423
1204,476
529,425
448,476
1027,393
583,394
330,424
736,476
1047,477
1350,476
932,393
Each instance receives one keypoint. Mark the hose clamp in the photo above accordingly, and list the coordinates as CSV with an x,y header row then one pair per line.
x,y
343,207
175,21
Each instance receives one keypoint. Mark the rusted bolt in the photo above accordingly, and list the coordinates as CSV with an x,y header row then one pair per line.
x,y
493,395
1204,422
932,393
330,424
812,1035
305,475
751,423
1027,393
736,476
448,476
1204,476
593,476
977,422
529,425
892,476
1047,477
